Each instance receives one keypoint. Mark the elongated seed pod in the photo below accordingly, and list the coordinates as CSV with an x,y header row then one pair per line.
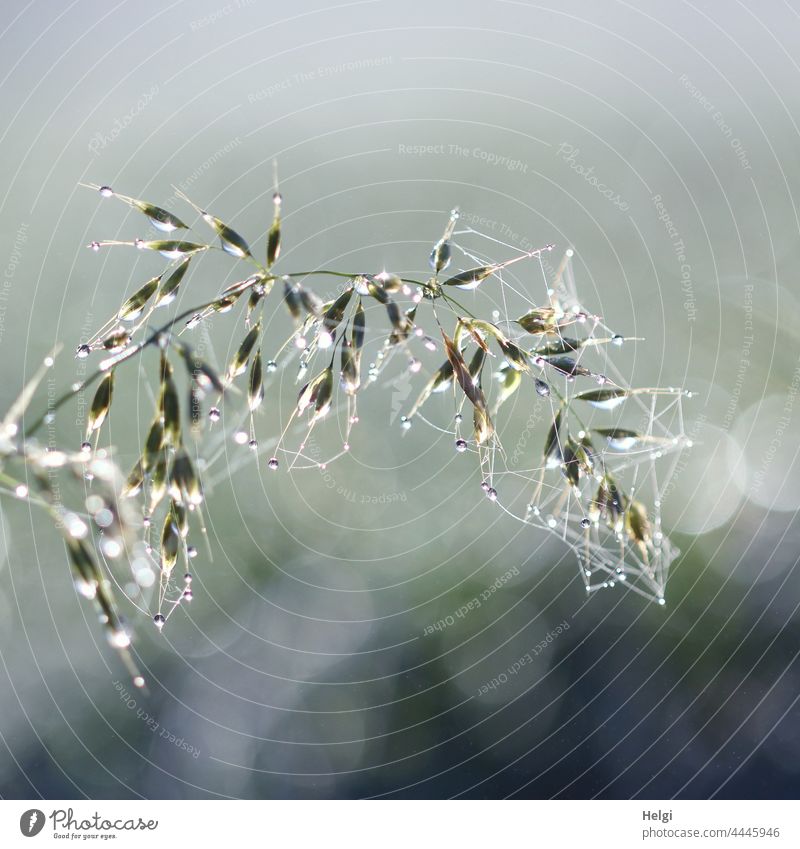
x,y
169,406
135,480
335,312
483,424
637,525
515,356
359,326
291,297
604,399
570,466
181,517
154,444
274,234
239,362
101,403
169,248
310,301
158,482
170,544
350,378
184,484
439,381
134,306
169,287
160,218
230,241
117,340
472,278
552,443
509,380
620,438
317,392
440,255
567,366
255,394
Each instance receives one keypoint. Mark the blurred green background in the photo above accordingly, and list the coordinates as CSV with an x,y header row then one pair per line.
x,y
302,667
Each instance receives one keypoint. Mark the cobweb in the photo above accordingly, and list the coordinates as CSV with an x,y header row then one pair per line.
x,y
574,470
606,555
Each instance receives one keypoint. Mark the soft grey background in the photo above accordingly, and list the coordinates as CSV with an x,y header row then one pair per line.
x,y
303,669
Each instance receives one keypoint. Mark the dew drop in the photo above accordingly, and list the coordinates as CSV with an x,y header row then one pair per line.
x,y
405,422
273,463
83,351
106,191
662,602
86,447
138,243
95,246
120,639
146,521
86,589
188,595
461,445
158,621
551,521
21,491
213,414
617,340
458,418
191,552
111,548
240,437
414,365
104,517
272,366
485,486
187,578
585,523
492,493
253,443
542,388
138,681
